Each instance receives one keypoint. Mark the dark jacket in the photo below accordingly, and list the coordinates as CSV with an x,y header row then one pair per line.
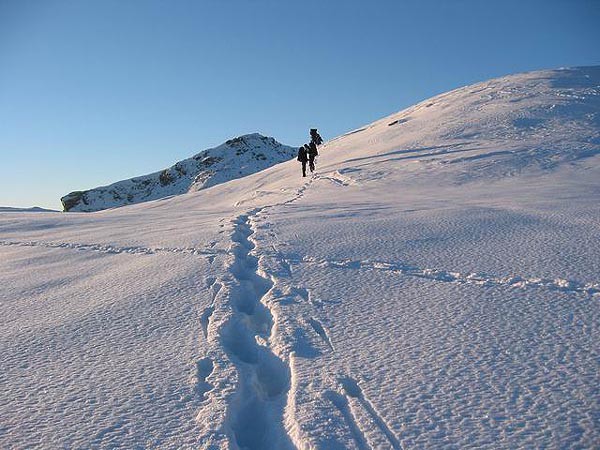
x,y
302,155
312,150
315,136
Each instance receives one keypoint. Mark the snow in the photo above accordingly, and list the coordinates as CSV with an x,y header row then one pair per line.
x,y
435,284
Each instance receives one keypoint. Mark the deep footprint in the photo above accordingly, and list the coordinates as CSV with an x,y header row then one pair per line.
x,y
204,368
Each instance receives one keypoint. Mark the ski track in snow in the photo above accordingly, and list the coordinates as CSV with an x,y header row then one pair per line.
x,y
353,391
340,401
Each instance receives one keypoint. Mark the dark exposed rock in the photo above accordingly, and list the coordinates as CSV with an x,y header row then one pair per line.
x,y
236,142
209,161
165,177
71,199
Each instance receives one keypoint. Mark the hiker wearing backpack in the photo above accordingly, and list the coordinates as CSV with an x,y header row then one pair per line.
x,y
315,137
303,158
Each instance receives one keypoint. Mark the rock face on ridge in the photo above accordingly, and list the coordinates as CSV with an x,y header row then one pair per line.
x,y
235,158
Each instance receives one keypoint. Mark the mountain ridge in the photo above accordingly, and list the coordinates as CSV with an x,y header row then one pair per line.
x,y
235,158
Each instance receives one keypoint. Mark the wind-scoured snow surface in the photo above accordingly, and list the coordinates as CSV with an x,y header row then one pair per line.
x,y
436,284
235,158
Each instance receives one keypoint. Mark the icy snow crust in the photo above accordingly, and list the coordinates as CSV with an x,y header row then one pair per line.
x,y
435,285
235,158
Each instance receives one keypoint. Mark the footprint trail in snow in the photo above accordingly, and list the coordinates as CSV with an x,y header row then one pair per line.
x,y
256,412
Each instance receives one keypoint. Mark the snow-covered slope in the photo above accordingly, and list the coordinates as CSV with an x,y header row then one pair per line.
x,y
436,284
235,158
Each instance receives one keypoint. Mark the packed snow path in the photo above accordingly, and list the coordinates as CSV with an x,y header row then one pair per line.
x,y
435,285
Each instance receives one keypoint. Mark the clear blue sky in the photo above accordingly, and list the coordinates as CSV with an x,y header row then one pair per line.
x,y
96,91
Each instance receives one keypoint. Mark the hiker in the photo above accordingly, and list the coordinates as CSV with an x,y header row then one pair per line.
x,y
312,154
315,137
303,158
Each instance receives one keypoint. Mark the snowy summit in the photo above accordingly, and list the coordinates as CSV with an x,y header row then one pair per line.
x,y
235,158
435,284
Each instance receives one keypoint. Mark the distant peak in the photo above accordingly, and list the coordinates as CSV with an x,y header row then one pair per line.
x,y
235,158
251,138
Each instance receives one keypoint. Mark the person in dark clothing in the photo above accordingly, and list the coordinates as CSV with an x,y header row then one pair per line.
x,y
303,158
311,149
315,137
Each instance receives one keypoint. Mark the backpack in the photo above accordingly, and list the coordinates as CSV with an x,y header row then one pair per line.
x,y
301,155
315,136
